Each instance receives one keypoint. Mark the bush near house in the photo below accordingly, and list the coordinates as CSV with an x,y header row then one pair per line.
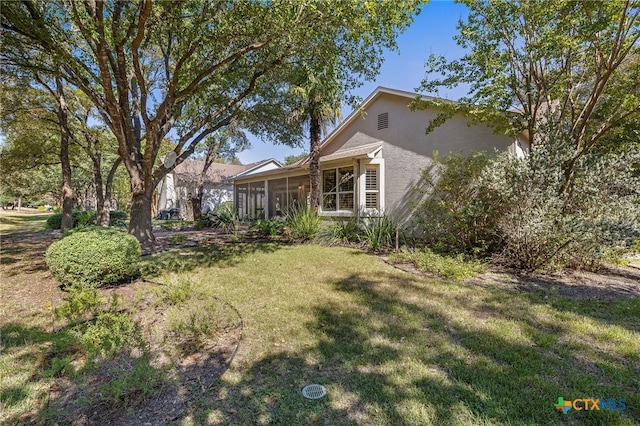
x,y
86,218
304,223
516,210
94,256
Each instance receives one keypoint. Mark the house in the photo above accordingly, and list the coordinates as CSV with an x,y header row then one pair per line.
x,y
370,163
175,187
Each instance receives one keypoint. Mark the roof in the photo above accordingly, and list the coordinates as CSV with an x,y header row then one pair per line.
x,y
361,151
256,165
218,173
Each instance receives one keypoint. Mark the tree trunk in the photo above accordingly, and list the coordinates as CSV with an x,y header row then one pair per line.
x,y
314,163
140,223
196,205
102,210
67,189
108,192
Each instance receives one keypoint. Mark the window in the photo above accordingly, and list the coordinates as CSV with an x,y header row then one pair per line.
x,y
383,120
372,188
338,189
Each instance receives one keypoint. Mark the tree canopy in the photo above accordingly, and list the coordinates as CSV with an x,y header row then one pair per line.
x,y
567,71
186,69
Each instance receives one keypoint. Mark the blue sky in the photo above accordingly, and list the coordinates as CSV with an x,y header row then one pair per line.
x,y
431,32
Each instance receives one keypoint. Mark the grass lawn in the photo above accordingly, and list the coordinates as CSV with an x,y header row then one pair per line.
x,y
390,347
27,221
394,348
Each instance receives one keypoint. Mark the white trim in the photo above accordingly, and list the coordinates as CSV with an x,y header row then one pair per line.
x,y
383,190
265,201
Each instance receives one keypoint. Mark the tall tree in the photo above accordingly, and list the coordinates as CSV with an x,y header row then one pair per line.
x,y
55,112
96,142
224,144
565,72
190,67
319,101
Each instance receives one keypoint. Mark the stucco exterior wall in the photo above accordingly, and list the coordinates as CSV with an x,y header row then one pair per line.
x,y
407,150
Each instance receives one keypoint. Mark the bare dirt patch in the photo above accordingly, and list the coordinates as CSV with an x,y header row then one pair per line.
x,y
611,282
28,295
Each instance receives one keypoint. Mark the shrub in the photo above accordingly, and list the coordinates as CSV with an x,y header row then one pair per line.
x,y
452,267
109,334
80,301
80,219
178,239
54,221
207,220
117,218
303,222
268,227
193,325
341,232
137,381
518,211
541,226
94,257
455,216
380,232
227,218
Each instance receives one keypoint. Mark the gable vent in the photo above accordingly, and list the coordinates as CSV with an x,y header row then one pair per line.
x,y
383,120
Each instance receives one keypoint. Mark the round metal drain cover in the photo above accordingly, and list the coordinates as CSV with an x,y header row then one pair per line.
x,y
314,391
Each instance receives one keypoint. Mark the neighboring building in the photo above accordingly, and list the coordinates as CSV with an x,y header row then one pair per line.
x,y
175,187
370,163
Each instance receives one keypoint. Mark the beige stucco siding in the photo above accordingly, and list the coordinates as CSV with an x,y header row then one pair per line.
x,y
407,150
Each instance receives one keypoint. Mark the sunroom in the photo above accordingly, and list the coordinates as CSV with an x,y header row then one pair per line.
x,y
351,180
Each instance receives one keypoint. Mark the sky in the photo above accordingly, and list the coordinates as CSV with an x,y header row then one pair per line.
x,y
431,32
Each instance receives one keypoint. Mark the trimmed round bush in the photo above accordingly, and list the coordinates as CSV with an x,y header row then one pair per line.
x,y
94,256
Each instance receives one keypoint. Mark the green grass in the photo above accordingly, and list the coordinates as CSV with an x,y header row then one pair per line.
x,y
452,267
394,348
11,222
391,347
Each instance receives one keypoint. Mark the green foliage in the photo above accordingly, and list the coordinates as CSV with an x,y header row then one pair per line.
x,y
177,292
540,226
54,221
194,324
109,334
516,210
94,257
117,218
380,232
82,218
248,50
341,232
303,222
206,220
456,268
227,218
178,239
80,300
456,216
568,68
268,227
127,385
176,225
294,158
